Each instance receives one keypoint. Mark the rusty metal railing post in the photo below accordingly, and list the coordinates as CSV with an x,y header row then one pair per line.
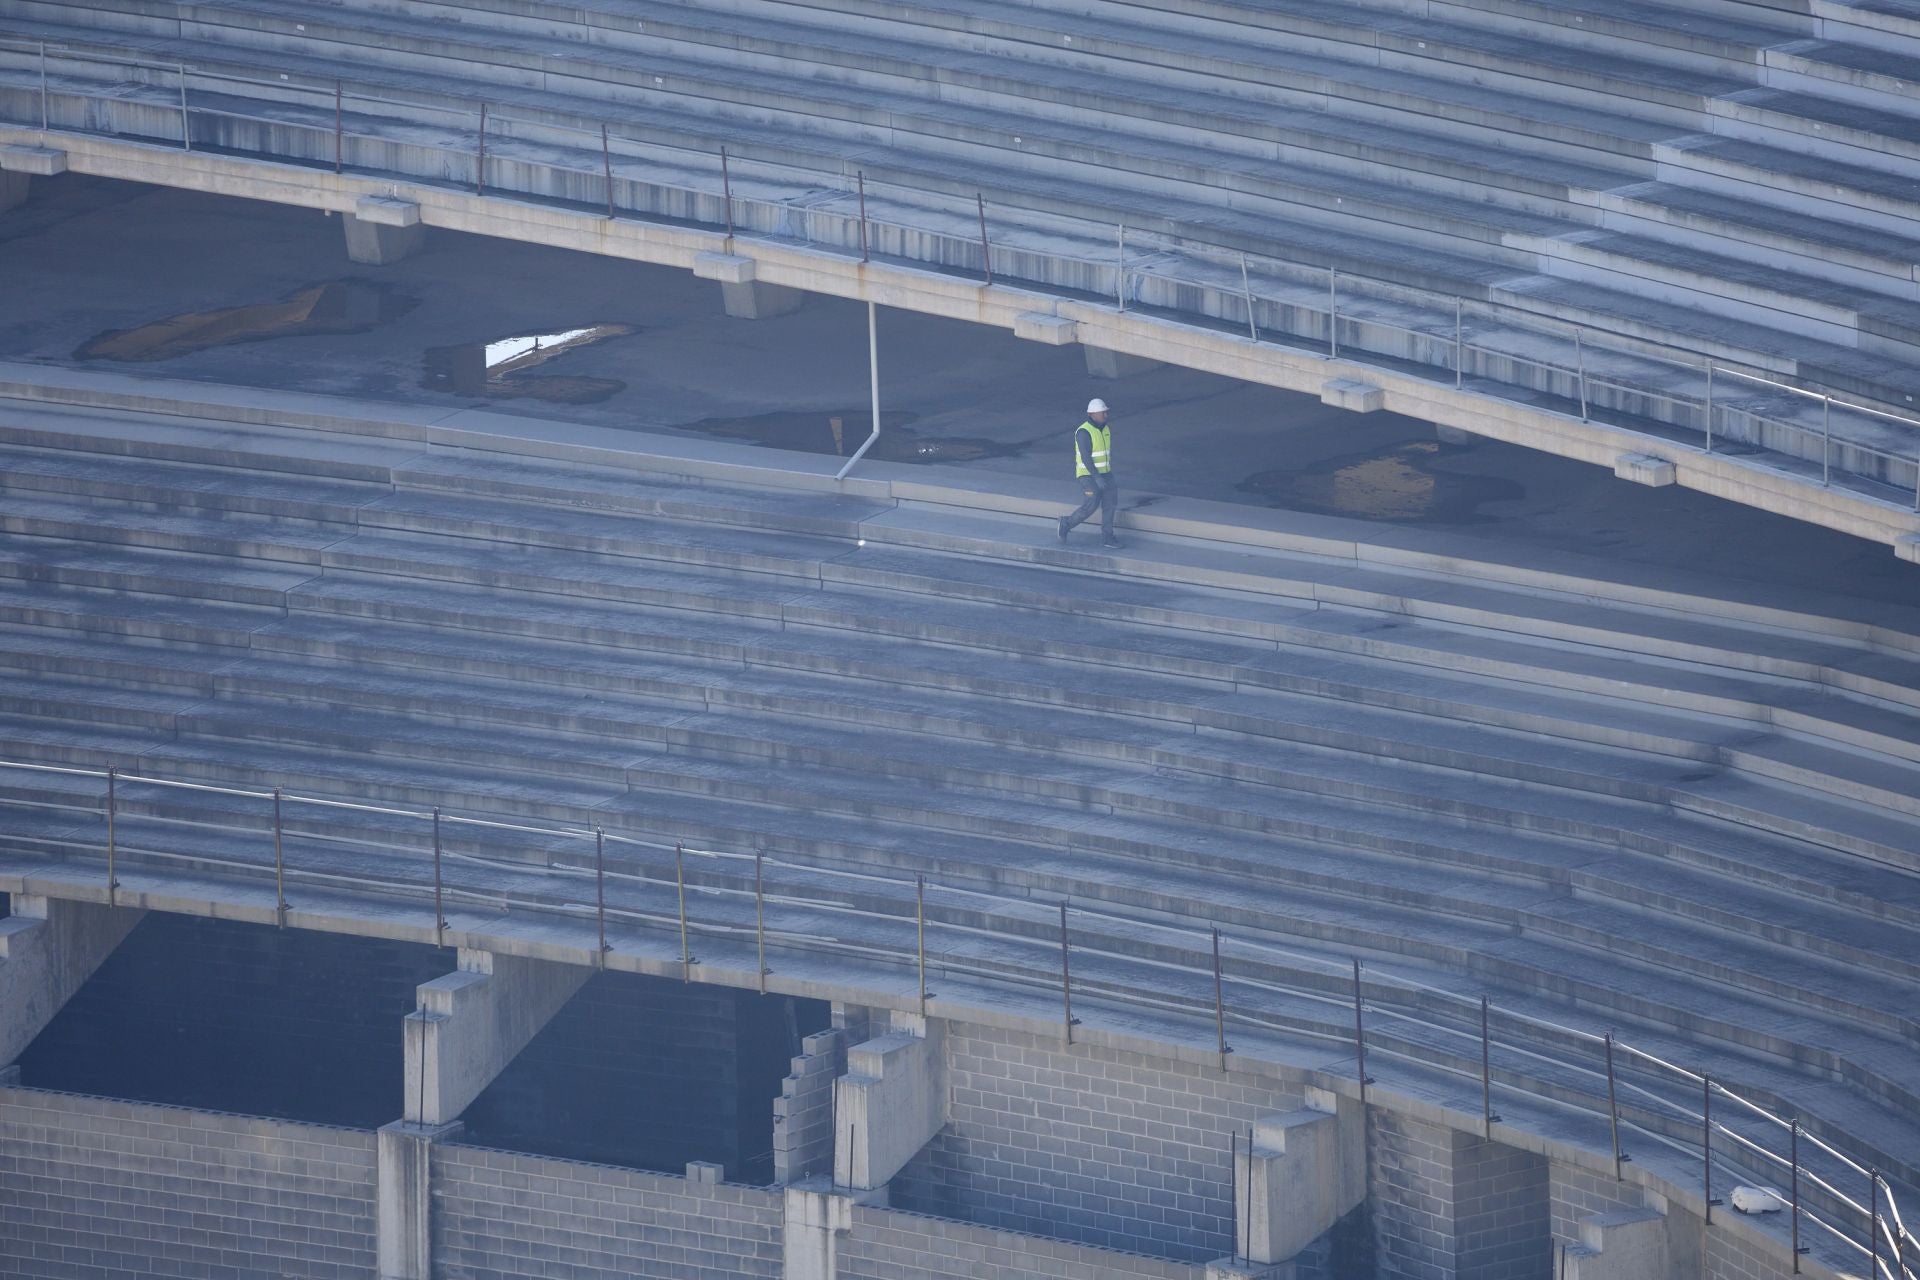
x,y
1359,1034
46,118
339,126
1487,1117
186,121
1794,1160
860,177
1459,344
480,165
726,191
1246,291
1710,429
606,166
1333,313
920,935
439,888
279,867
680,883
1219,1005
1826,440
113,840
986,250
1613,1113
760,916
1067,1020
1580,361
1120,271
1706,1146
600,894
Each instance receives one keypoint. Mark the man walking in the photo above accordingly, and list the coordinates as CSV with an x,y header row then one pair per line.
x,y
1093,467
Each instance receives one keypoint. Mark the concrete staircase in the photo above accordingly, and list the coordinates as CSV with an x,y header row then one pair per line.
x,y
1731,179
1606,803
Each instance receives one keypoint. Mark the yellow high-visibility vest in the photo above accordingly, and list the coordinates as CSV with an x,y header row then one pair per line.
x,y
1101,439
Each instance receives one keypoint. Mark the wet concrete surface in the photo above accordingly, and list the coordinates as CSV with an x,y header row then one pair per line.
x,y
501,368
85,255
337,306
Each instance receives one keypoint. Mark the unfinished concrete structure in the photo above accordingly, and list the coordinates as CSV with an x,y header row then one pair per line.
x,y
748,726
1511,219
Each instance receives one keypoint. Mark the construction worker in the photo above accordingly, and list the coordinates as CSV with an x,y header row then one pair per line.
x,y
1093,467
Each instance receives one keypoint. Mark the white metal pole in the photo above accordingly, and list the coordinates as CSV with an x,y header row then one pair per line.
x,y
873,378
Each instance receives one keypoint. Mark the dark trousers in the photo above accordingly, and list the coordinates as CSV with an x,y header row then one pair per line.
x,y
1103,491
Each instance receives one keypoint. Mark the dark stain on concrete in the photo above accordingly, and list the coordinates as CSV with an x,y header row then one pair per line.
x,y
338,306
1400,483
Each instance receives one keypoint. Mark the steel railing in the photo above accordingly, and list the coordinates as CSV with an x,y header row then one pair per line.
x,y
330,115
1083,954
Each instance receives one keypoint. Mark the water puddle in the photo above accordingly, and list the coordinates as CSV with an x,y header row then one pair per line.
x,y
499,370
843,433
1399,483
340,306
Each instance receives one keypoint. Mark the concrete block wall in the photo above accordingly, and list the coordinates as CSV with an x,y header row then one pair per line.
x,y
500,1215
1451,1206
887,1244
1728,1255
803,1113
116,1190
1576,1193
1100,1147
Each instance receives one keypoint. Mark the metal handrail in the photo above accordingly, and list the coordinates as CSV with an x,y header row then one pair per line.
x,y
1383,984
1675,358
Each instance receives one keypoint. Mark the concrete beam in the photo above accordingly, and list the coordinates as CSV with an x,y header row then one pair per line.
x,y
40,162
1054,331
1102,363
382,230
471,1023
403,1239
1353,395
1298,1179
1625,1244
890,1103
813,1218
1644,468
744,295
49,947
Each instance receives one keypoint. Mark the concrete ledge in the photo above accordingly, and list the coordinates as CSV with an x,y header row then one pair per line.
x,y
1353,395
727,268
1053,331
387,211
41,162
1645,468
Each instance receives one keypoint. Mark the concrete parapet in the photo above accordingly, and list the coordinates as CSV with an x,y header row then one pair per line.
x,y
744,295
387,211
803,1113
1353,395
49,947
403,1211
1054,331
1644,468
814,1218
890,1103
471,1023
1240,1269
1102,363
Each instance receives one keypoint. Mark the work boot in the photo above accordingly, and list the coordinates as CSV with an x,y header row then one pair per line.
x,y
1064,527
1112,544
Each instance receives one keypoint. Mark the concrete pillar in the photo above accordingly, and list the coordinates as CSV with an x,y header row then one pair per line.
x,y
1102,363
471,1023
891,1102
19,165
403,1207
1448,1204
1305,1171
382,230
49,947
742,293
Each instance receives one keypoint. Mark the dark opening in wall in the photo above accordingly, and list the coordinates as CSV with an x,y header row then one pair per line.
x,y
228,1016
651,1073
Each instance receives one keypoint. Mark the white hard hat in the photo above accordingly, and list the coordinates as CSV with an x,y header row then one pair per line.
x,y
1096,405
